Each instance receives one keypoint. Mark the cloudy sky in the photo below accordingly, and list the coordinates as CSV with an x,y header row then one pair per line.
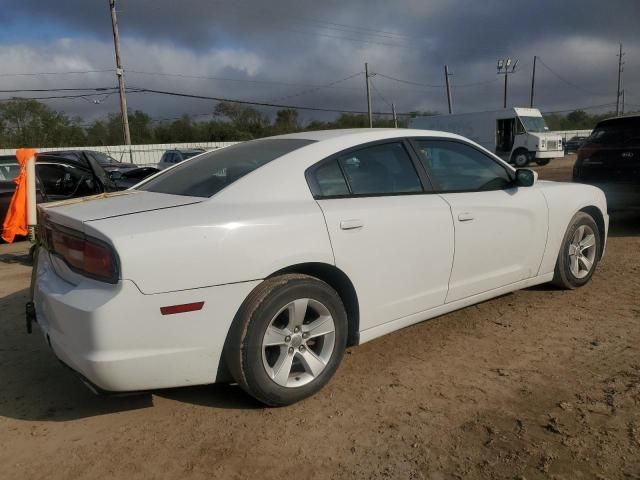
x,y
311,53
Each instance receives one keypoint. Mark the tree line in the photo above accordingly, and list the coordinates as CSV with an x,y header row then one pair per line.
x,y
31,123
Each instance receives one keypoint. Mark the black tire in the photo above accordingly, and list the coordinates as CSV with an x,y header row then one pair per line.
x,y
244,350
520,158
542,161
563,276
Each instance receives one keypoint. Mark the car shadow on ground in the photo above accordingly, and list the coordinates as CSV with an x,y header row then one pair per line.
x,y
20,257
224,396
36,387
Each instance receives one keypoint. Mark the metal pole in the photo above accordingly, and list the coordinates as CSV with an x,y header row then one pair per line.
x,y
619,81
366,73
533,80
506,75
120,74
395,118
446,79
622,109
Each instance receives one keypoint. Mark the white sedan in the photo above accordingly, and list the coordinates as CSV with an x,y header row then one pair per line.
x,y
261,262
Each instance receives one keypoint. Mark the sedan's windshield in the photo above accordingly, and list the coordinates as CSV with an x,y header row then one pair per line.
x,y
534,124
209,173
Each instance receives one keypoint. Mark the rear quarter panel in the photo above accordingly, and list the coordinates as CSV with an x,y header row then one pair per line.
x,y
214,243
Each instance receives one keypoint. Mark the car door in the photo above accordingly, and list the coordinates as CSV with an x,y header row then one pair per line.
x,y
393,240
61,181
500,228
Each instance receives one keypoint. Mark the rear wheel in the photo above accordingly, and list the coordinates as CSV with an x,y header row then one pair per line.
x,y
289,339
579,253
542,161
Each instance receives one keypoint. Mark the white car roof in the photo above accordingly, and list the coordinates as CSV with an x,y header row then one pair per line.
x,y
365,134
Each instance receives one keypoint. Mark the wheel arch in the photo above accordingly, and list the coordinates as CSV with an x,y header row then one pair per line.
x,y
329,274
340,282
598,217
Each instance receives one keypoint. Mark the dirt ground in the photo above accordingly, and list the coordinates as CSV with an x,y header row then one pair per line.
x,y
536,384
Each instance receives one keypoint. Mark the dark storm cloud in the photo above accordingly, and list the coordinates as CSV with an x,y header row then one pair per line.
x,y
316,42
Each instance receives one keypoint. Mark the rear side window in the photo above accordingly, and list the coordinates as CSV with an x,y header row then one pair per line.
x,y
383,169
330,180
207,174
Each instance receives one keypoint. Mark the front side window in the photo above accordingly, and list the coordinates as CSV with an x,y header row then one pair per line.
x,y
380,169
207,174
456,167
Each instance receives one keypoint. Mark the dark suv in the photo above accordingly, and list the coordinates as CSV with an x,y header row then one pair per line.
x,y
610,159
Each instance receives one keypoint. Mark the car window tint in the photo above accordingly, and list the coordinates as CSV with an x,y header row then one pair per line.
x,y
330,180
65,180
380,169
455,167
207,174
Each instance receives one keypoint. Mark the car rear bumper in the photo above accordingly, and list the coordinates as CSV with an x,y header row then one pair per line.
x,y
549,154
117,338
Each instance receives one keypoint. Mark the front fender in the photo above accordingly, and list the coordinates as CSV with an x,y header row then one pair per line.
x,y
564,200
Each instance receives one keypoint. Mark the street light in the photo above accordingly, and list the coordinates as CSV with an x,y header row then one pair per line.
x,y
505,67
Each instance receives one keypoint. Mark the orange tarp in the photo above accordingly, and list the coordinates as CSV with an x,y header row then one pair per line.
x,y
15,223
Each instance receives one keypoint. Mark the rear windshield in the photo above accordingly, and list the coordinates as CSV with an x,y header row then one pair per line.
x,y
209,173
616,135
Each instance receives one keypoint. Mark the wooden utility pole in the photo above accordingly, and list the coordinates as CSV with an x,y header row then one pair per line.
x,y
446,80
620,64
366,74
533,80
120,74
395,117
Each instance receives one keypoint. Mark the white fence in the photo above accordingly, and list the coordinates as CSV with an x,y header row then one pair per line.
x,y
148,155
567,134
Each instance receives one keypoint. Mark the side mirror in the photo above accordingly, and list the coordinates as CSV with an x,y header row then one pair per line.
x,y
115,175
525,177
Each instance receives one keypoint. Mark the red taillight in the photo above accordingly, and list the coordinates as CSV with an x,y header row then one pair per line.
x,y
86,256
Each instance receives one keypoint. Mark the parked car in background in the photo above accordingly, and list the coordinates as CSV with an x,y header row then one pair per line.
x,y
171,157
610,159
69,174
575,142
293,248
122,174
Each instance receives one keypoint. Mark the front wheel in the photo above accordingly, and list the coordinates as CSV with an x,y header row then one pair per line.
x,y
579,253
520,158
289,339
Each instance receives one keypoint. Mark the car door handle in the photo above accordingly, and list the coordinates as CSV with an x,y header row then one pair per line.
x,y
351,224
465,216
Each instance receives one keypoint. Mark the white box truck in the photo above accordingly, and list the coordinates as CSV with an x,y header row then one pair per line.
x,y
518,135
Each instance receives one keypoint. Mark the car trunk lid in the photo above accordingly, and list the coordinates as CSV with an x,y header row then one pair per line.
x,y
76,212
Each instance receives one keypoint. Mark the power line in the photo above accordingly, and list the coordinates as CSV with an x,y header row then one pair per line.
x,y
316,88
33,90
259,104
227,79
561,78
28,74
375,89
590,107
411,82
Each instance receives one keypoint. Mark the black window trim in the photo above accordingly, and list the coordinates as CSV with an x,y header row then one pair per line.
x,y
413,142
425,182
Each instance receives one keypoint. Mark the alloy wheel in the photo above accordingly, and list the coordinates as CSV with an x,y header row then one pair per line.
x,y
298,343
